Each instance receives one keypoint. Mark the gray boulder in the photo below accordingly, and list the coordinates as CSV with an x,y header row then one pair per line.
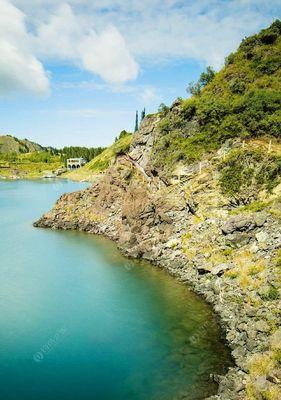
x,y
243,223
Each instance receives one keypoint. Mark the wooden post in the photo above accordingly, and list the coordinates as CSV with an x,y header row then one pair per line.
x,y
200,167
243,144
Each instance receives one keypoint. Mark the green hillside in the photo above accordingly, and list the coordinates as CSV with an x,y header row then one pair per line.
x,y
101,162
10,144
241,101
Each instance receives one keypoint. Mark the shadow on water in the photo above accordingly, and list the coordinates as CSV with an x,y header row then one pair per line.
x,y
80,321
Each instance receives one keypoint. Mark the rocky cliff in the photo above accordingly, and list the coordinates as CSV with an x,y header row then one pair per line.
x,y
186,225
211,218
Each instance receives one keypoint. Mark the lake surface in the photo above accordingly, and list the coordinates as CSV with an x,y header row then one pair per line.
x,y
79,321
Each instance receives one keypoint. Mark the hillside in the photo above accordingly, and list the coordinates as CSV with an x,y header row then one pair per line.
x,y
101,162
241,101
10,144
199,193
26,159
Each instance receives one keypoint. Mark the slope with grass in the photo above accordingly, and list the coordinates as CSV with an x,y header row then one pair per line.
x,y
12,145
241,101
100,163
29,165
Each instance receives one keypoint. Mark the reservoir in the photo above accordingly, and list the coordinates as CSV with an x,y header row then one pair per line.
x,y
78,321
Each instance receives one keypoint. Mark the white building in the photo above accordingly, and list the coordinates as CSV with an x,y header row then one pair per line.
x,y
73,163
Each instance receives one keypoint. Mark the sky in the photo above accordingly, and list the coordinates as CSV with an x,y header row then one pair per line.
x,y
75,72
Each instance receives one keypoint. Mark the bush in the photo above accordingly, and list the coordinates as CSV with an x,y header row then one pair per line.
x,y
229,59
212,110
246,172
271,294
254,108
164,126
189,109
236,85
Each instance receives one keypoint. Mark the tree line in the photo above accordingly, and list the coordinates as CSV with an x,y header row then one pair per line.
x,y
88,153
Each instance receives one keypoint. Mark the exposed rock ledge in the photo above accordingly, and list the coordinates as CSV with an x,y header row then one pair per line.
x,y
188,230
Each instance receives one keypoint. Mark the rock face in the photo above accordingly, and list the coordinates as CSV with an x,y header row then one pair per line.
x,y
143,142
243,223
187,229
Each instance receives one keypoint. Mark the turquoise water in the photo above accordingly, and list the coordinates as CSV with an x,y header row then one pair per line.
x,y
79,321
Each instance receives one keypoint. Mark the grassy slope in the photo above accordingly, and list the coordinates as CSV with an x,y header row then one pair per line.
x,y
28,165
25,159
242,101
100,163
10,144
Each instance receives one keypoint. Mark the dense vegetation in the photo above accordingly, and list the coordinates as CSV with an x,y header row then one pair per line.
x,y
44,156
243,101
88,153
31,165
246,171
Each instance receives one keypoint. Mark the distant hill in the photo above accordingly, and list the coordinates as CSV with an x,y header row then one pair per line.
x,y
10,144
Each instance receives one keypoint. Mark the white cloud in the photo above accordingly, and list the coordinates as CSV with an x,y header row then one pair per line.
x,y
57,35
165,30
67,36
106,37
108,56
20,70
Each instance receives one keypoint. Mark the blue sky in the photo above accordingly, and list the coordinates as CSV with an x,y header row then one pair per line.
x,y
74,72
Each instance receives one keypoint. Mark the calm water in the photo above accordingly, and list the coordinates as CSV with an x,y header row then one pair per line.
x,y
78,321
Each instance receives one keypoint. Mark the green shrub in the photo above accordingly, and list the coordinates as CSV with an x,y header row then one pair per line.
x,y
271,294
229,59
245,172
237,86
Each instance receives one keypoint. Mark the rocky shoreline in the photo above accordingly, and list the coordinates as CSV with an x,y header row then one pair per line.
x,y
245,327
186,227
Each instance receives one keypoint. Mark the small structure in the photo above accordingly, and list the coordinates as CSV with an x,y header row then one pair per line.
x,y
73,163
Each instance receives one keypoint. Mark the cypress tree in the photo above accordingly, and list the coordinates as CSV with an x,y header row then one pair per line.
x,y
143,114
137,122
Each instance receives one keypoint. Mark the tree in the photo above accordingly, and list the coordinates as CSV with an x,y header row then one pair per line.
x,y
143,114
194,88
205,78
137,121
163,109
